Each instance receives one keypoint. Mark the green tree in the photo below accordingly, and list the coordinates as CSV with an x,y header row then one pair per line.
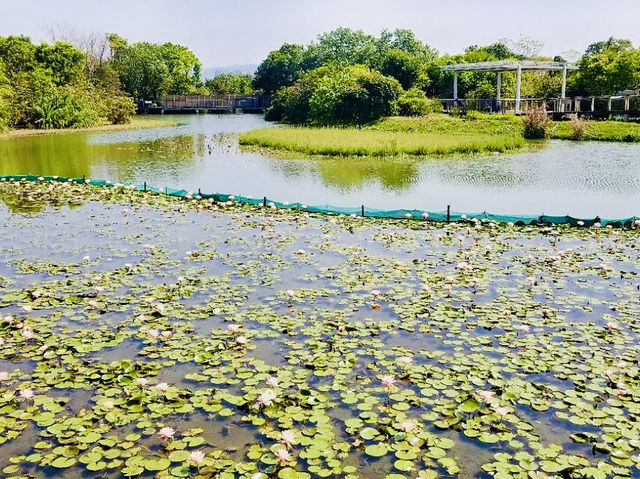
x,y
344,46
141,70
64,62
183,67
18,55
402,66
230,84
280,69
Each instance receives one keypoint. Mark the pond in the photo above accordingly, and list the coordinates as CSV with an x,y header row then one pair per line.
x,y
581,179
146,334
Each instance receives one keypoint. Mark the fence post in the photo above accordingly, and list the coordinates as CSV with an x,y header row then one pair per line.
x,y
362,208
448,213
199,192
264,201
145,186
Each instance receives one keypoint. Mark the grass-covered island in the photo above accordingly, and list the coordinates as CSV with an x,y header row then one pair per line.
x,y
146,335
435,134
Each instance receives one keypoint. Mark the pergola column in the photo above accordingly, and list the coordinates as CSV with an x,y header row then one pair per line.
x,y
455,86
518,85
499,89
564,88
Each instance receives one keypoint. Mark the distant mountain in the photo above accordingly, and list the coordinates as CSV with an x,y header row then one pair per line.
x,y
213,71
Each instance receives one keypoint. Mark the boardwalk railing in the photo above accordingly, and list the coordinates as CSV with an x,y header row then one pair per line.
x,y
601,105
214,102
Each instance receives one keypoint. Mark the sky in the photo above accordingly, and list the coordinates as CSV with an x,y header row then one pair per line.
x,y
233,32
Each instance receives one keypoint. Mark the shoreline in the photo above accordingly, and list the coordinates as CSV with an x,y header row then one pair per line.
x,y
137,123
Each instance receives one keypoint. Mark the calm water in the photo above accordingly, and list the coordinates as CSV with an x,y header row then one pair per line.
x,y
581,179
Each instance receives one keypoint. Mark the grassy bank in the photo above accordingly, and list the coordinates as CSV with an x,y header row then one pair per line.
x,y
478,123
374,143
137,123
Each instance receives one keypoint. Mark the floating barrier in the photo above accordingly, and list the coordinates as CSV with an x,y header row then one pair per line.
x,y
438,216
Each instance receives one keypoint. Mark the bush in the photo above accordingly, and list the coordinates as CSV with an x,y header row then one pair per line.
x,y
120,109
414,102
61,109
336,96
535,124
578,127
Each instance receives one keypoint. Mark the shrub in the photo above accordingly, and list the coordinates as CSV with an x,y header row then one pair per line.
x,y
578,127
120,109
535,124
414,102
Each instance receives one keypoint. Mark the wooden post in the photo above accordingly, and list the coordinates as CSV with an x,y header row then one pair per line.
x,y
145,186
564,88
499,90
518,87
455,88
264,201
363,211
448,213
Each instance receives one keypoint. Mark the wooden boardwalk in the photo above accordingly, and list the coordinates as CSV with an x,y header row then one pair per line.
x,y
210,103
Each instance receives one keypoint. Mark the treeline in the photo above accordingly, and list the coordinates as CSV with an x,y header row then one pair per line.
x,y
86,80
407,73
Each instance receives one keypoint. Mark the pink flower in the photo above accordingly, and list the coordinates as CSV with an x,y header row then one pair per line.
x,y
484,395
233,328
406,360
387,381
26,308
4,375
407,426
282,455
153,334
608,373
166,433
242,340
273,382
375,293
613,326
27,333
108,404
166,334
502,411
142,382
266,398
163,387
196,457
26,394
524,328
288,437
291,293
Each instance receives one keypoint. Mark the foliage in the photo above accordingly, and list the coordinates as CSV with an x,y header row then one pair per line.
x,y
578,127
414,102
280,69
608,67
119,109
230,84
336,96
535,123
6,92
148,71
64,62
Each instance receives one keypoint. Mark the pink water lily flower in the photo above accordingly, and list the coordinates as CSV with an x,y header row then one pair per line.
x,y
273,382
163,387
167,433
142,382
266,398
4,375
406,360
242,340
485,395
26,394
233,328
288,437
407,426
291,293
502,411
282,455
387,381
196,457
153,334
108,404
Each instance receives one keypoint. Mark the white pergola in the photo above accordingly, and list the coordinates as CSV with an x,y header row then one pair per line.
x,y
517,66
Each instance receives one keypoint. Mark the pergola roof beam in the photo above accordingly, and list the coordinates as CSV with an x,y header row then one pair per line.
x,y
509,66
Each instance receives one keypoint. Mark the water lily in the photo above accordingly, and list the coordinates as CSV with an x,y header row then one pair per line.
x,y
27,333
4,375
484,395
242,340
162,387
233,328
26,394
407,426
153,334
26,308
108,404
291,293
375,293
283,455
288,437
273,382
405,360
387,381
613,326
502,411
142,382
196,457
166,334
167,433
266,398
524,328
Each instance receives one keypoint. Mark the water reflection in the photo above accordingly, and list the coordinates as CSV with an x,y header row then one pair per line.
x,y
202,152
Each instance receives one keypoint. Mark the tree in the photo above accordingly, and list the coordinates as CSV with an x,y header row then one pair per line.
x,y
6,92
183,67
230,83
280,69
344,46
402,66
64,62
608,67
17,54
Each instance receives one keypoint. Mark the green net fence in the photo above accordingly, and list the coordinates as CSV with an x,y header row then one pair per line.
x,y
439,216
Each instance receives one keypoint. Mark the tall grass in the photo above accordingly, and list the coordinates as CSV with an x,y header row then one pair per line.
x,y
375,143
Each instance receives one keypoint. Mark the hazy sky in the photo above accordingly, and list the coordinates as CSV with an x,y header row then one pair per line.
x,y
243,31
